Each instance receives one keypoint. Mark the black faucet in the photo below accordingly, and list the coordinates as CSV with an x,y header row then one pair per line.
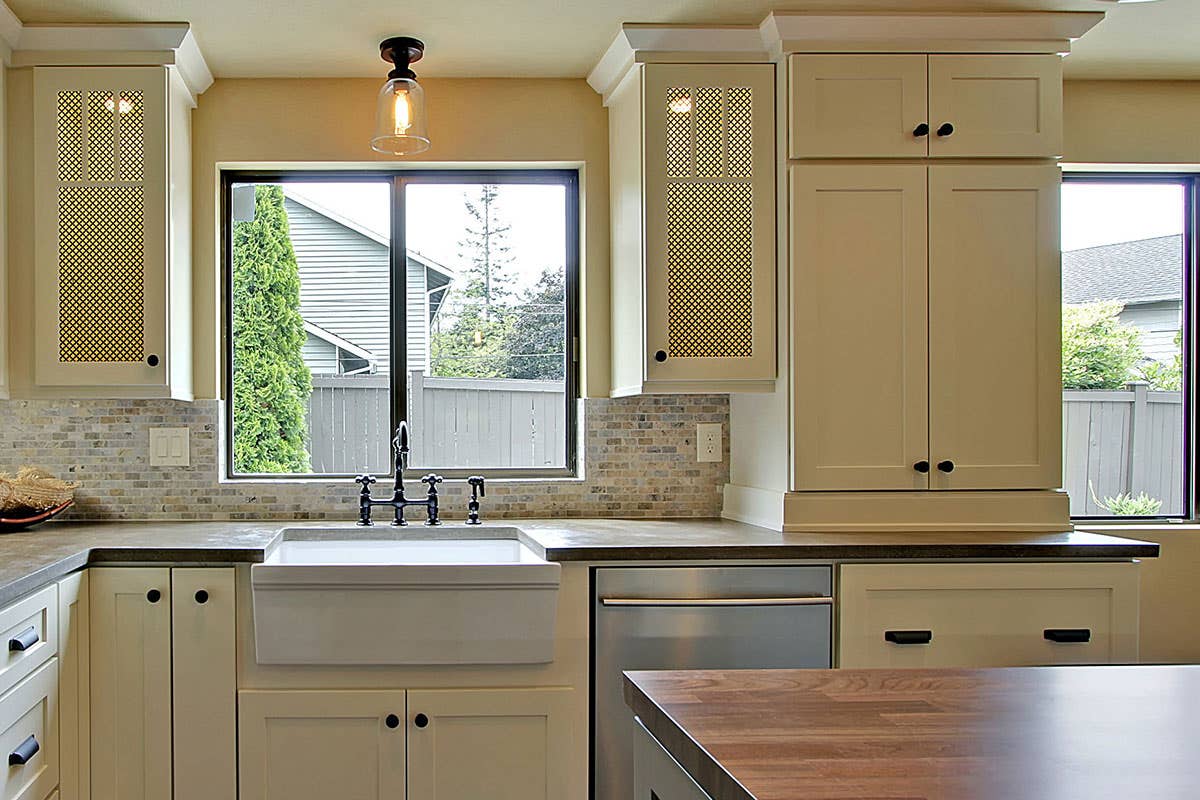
x,y
398,501
477,491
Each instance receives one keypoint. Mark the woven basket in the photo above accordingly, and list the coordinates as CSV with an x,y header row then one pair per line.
x,y
32,490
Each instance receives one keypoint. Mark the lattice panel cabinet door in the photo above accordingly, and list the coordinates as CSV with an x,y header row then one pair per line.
x,y
101,226
709,146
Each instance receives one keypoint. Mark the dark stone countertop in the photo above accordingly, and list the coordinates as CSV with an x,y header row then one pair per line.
x,y
31,559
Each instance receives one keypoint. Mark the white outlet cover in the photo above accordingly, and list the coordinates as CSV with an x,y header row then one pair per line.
x,y
170,447
708,442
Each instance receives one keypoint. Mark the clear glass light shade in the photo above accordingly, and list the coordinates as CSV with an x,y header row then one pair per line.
x,y
400,121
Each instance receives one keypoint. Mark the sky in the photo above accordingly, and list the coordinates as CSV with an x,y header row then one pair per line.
x,y
437,218
1105,213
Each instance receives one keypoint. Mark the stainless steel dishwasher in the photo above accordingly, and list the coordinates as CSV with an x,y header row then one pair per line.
x,y
695,618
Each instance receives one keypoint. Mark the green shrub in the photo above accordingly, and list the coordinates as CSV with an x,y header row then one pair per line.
x,y
1099,352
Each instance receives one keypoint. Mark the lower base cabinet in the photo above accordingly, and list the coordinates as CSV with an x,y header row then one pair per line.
x,y
658,776
432,744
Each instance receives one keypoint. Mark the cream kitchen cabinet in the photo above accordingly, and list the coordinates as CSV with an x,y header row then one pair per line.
x,y
987,615
149,724
112,221
29,735
926,327
913,106
693,229
74,686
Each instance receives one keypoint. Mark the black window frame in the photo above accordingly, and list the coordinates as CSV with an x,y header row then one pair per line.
x,y
400,179
1189,341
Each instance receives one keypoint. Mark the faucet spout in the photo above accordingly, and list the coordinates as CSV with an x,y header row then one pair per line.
x,y
400,443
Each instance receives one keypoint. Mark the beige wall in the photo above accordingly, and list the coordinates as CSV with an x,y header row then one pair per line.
x,y
1132,122
483,121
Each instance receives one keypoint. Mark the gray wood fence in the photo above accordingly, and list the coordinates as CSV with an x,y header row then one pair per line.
x,y
455,422
1123,442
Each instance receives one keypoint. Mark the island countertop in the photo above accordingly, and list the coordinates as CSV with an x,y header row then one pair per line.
x,y
1036,733
30,559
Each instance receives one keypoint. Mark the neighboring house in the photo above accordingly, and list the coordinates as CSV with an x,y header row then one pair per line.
x,y
1145,275
344,270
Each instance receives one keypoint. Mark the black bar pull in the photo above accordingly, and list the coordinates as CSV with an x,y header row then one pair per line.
x,y
25,751
1068,635
908,637
24,640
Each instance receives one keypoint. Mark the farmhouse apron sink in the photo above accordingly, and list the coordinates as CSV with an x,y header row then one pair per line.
x,y
452,595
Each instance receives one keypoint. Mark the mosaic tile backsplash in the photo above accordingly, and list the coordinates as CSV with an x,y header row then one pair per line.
x,y
639,461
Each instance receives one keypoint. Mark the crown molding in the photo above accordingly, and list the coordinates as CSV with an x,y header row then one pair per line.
x,y
170,44
784,32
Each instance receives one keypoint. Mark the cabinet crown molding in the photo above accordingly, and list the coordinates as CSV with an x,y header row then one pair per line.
x,y
783,32
169,44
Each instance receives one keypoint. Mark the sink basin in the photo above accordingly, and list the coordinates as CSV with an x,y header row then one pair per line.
x,y
380,596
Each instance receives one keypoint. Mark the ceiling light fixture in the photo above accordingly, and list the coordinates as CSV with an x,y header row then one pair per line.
x,y
401,127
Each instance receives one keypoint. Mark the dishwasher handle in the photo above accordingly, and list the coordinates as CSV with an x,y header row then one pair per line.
x,y
715,602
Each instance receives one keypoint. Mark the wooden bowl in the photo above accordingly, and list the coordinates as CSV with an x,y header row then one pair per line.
x,y
13,524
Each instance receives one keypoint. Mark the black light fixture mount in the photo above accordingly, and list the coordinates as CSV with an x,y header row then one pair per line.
x,y
401,51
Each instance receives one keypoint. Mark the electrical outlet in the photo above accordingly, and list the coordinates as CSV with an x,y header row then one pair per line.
x,y
169,447
708,442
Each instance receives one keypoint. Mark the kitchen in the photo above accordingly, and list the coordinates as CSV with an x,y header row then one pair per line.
x,y
214,624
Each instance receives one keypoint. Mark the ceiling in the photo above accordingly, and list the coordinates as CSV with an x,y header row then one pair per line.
x,y
563,38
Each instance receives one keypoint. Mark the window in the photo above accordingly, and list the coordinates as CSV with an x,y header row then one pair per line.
x,y
444,298
1127,267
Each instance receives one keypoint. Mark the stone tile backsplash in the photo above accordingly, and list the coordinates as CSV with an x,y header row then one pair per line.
x,y
639,461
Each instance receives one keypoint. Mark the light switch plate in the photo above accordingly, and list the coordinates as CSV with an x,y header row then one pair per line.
x,y
169,447
708,442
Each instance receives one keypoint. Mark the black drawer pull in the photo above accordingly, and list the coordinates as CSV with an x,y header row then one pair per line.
x,y
1068,635
24,640
921,130
908,637
945,129
25,751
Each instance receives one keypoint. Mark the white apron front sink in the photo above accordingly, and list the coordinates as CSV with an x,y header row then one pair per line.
x,y
440,596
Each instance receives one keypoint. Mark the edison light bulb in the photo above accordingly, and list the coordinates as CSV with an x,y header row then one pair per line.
x,y
400,120
402,112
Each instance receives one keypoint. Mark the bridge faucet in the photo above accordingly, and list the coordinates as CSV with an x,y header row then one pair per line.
x,y
398,501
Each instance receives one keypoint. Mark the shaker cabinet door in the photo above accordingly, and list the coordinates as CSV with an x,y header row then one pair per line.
x,y
859,294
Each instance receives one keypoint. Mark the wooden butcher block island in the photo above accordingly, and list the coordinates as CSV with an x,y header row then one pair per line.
x,y
1039,733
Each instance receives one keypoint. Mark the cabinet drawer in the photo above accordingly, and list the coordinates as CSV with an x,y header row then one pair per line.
x,y
987,615
29,734
28,636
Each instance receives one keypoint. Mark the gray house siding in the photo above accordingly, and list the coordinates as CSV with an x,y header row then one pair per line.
x,y
319,356
344,289
1158,324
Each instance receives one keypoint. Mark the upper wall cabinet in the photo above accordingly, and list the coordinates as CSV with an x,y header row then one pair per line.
x,y
693,185
912,106
112,223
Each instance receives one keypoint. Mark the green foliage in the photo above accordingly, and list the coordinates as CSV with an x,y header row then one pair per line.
x,y
271,384
1166,377
1127,505
535,337
1098,351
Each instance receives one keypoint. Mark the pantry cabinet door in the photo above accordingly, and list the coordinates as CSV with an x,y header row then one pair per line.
x,y
995,106
100,222
318,745
857,106
995,396
131,683
518,744
860,306
709,152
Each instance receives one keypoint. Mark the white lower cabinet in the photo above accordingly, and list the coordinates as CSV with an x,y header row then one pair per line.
x,y
987,615
316,745
29,736
74,687
658,776
433,744
502,744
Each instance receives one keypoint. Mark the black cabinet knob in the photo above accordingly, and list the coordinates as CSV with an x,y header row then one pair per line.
x,y
392,721
421,721
152,360
25,751
660,356
921,130
921,467
1068,635
154,595
908,637
945,466
201,596
945,129
24,640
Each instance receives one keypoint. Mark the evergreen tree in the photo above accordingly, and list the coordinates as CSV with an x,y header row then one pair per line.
x,y
271,384
535,339
487,251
